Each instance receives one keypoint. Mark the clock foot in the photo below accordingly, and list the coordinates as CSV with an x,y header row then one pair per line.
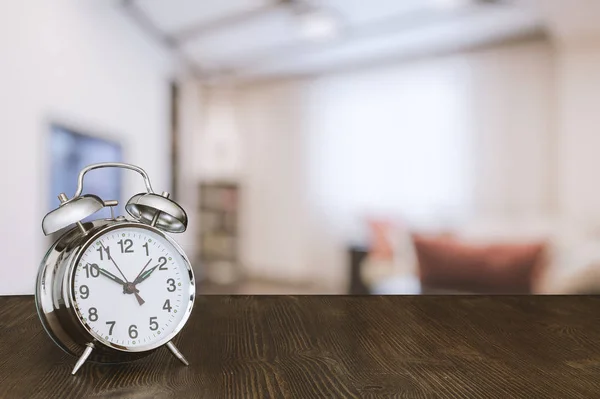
x,y
83,358
176,353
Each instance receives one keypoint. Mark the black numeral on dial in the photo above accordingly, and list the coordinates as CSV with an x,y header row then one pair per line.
x,y
93,314
162,261
153,323
133,333
101,251
84,291
126,246
112,325
172,287
167,305
147,251
91,270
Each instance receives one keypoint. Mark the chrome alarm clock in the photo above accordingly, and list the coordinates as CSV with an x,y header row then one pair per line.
x,y
114,290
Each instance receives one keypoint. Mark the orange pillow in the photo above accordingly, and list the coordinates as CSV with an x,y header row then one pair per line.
x,y
447,263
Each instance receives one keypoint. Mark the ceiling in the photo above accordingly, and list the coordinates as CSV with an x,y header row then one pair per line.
x,y
257,39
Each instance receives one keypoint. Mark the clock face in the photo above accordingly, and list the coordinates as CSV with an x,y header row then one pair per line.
x,y
132,288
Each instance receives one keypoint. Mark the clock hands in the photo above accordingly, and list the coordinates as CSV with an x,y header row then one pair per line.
x,y
137,279
111,276
138,297
128,288
115,263
145,275
131,286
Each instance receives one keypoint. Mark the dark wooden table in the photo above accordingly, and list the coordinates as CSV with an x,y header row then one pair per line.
x,y
333,347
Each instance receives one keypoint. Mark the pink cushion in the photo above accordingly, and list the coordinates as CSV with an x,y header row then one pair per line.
x,y
447,263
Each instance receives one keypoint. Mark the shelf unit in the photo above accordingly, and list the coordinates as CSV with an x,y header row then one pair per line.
x,y
218,237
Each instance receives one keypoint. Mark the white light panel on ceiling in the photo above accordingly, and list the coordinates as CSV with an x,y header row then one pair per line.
x,y
262,33
473,28
357,12
172,16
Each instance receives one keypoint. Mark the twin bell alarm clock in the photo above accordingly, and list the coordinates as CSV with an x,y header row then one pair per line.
x,y
114,290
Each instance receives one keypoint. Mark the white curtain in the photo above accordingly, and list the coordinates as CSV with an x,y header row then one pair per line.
x,y
391,142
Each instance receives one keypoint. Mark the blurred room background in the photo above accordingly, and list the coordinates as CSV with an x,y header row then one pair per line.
x,y
318,146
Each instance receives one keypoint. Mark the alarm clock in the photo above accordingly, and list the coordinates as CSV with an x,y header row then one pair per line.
x,y
115,290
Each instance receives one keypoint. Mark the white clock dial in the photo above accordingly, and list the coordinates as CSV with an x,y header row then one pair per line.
x,y
132,288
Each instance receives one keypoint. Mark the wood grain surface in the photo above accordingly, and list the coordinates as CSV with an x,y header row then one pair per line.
x,y
332,347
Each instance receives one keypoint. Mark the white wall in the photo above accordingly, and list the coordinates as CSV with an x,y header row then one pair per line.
x,y
191,117
276,216
220,154
310,150
79,62
513,95
579,123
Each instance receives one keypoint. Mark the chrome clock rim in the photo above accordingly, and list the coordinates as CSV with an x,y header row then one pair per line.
x,y
100,339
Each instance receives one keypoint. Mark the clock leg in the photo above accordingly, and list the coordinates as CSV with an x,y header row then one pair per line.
x,y
83,358
176,353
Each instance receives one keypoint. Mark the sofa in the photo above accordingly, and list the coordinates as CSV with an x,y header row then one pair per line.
x,y
474,260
